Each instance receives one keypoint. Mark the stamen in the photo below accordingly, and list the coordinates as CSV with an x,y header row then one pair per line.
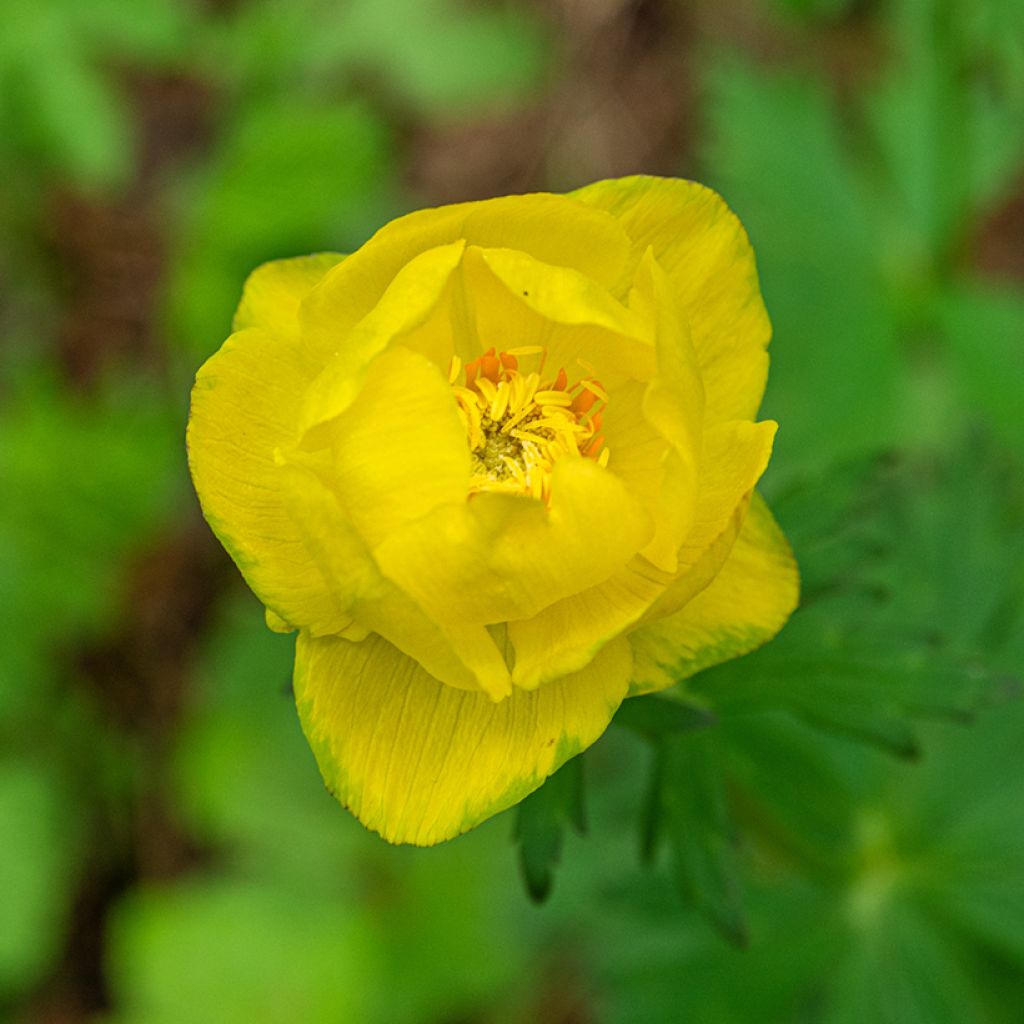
x,y
552,398
518,427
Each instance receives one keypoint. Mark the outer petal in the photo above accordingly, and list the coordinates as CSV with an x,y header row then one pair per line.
x,y
734,457
746,604
705,252
420,762
244,406
556,229
272,292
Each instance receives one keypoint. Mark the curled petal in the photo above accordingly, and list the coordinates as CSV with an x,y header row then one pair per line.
x,y
500,557
462,656
707,256
744,606
564,635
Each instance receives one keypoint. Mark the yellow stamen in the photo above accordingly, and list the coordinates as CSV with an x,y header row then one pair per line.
x,y
517,427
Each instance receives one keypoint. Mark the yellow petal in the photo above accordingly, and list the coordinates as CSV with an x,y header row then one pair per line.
x,y
745,605
499,557
420,762
519,300
272,292
704,250
556,229
244,407
673,402
462,656
553,229
400,449
568,634
734,457
345,351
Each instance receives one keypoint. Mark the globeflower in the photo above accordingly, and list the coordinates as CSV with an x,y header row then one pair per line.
x,y
497,469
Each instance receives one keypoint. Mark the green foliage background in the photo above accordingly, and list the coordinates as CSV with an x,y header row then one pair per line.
x,y
830,830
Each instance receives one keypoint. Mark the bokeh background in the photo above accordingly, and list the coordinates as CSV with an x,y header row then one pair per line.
x,y
841,841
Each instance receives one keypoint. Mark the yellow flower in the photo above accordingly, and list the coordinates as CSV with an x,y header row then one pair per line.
x,y
497,468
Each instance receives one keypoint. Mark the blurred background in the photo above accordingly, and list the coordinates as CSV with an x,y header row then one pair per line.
x,y
841,841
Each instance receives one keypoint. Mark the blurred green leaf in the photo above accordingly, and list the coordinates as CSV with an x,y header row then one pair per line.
x,y
236,953
984,328
60,105
949,119
37,859
291,177
446,58
246,778
921,120
779,158
94,479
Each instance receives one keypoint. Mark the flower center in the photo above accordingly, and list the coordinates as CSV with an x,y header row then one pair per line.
x,y
518,425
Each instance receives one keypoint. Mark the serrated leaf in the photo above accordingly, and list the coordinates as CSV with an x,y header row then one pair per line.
x,y
903,631
541,820
696,824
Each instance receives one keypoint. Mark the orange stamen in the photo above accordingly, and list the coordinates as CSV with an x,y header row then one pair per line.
x,y
517,427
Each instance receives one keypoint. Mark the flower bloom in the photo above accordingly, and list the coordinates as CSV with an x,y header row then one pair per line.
x,y
497,468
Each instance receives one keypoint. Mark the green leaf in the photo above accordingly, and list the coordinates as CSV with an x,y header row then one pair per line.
x,y
778,156
905,629
291,177
60,101
983,328
448,59
655,717
235,953
541,820
93,481
900,970
36,872
697,826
